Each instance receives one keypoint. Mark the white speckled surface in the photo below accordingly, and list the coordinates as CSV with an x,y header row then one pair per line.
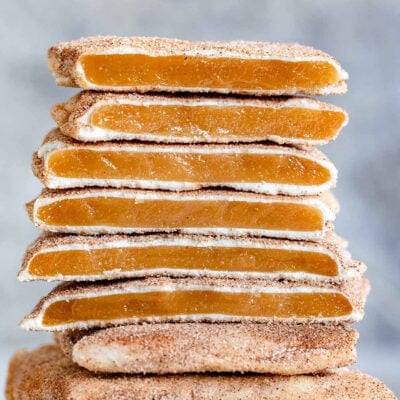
x,y
362,35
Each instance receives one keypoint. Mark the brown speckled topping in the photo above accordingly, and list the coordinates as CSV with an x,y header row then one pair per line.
x,y
167,46
277,348
46,374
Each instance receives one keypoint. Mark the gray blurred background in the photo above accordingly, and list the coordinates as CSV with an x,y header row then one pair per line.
x,y
363,35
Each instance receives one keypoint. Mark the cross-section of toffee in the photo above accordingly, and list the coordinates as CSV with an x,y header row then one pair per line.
x,y
171,348
96,116
88,305
86,258
94,211
156,64
270,169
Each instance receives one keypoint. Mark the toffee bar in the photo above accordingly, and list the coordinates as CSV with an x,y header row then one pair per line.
x,y
82,306
86,258
62,163
149,64
95,211
94,116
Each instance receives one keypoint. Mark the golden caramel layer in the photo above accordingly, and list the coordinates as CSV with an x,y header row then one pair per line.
x,y
241,122
192,167
95,262
181,71
176,214
196,302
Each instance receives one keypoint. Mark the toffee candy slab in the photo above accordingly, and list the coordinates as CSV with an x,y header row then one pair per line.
x,y
95,116
92,305
95,211
273,348
88,258
269,169
142,64
46,374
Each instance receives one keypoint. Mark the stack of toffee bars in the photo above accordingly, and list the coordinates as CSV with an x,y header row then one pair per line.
x,y
188,216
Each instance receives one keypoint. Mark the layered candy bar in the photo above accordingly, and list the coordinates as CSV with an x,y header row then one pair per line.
x,y
75,257
95,305
95,116
141,64
94,211
270,169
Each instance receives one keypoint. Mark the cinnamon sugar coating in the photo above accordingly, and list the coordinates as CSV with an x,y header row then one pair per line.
x,y
277,348
46,374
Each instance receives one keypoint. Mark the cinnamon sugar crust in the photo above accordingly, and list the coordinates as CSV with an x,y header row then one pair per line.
x,y
55,141
72,117
63,60
275,348
331,244
356,290
46,374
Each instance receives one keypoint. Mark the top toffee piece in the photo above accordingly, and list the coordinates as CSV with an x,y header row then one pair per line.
x,y
171,65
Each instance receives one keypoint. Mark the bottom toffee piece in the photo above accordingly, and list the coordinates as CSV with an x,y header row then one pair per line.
x,y
46,374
